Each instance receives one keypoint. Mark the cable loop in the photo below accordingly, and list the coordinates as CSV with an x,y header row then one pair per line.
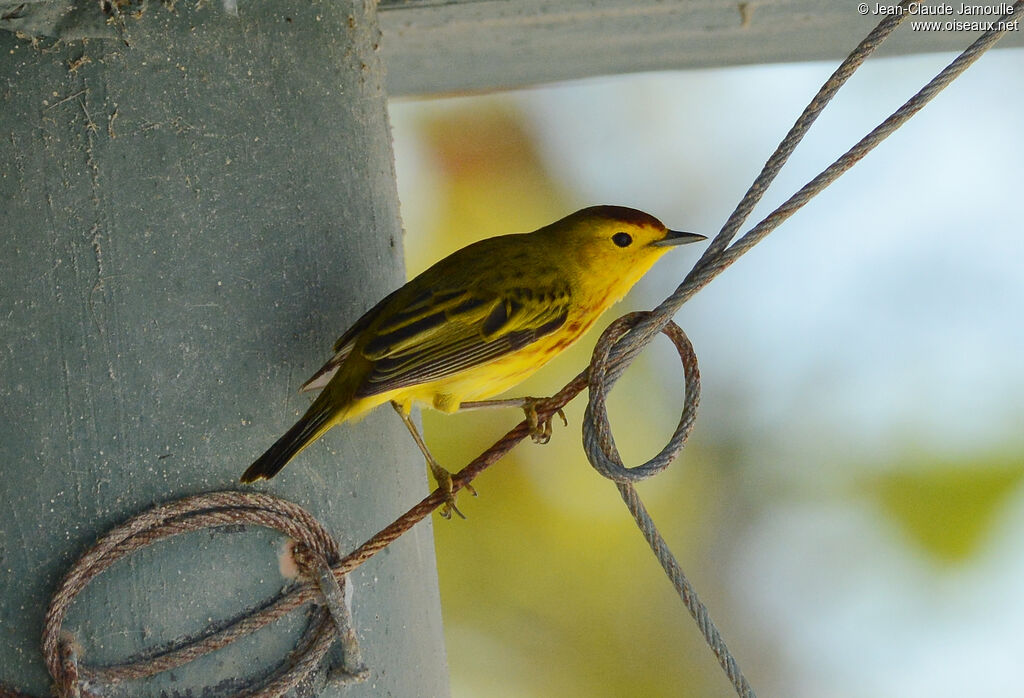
x,y
606,367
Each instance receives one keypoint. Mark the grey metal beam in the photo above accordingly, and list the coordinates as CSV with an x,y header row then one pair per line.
x,y
452,46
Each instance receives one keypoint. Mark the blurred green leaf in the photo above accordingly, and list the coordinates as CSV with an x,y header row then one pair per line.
x,y
948,509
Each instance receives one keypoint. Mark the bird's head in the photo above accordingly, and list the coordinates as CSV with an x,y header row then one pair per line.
x,y
615,241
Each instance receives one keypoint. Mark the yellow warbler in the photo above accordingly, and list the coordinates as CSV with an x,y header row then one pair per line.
x,y
477,323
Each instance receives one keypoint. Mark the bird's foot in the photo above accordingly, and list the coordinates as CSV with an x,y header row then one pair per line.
x,y
445,484
540,429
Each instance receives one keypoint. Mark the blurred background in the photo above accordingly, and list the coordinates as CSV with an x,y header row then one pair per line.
x,y
850,505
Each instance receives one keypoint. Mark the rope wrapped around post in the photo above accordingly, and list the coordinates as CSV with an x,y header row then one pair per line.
x,y
315,552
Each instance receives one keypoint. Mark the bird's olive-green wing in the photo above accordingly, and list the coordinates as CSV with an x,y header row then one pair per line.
x,y
439,334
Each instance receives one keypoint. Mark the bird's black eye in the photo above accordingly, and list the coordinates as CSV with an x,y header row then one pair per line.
x,y
622,239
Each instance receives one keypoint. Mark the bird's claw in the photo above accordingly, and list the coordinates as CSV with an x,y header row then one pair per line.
x,y
540,429
445,484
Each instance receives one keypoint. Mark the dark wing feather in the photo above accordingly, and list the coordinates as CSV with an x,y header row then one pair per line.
x,y
453,332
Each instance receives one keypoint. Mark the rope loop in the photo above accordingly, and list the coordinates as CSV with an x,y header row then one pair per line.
x,y
611,357
314,550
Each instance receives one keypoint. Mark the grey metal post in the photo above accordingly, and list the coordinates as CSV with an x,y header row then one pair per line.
x,y
191,210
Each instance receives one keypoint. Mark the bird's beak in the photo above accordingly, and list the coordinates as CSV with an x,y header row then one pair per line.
x,y
678,237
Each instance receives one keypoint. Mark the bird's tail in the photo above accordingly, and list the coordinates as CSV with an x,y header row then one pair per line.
x,y
320,417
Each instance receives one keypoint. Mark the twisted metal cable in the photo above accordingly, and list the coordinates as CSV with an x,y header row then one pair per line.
x,y
610,465
686,592
602,376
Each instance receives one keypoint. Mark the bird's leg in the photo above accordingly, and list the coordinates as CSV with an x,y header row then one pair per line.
x,y
441,475
540,430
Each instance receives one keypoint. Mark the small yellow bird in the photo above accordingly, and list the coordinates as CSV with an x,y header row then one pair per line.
x,y
477,323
